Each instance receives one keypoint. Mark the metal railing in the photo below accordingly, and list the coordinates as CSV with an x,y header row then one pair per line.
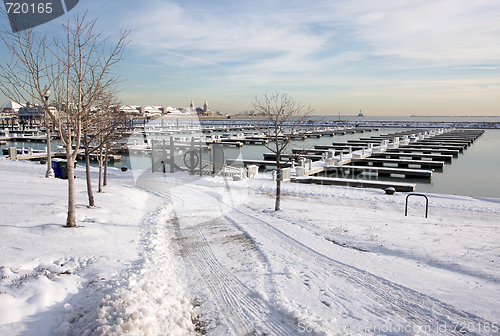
x,y
426,203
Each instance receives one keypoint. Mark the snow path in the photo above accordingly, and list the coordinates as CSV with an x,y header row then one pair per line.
x,y
241,309
414,307
192,256
148,298
243,314
246,272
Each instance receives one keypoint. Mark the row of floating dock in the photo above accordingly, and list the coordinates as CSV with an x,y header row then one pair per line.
x,y
429,156
250,134
409,154
42,155
245,134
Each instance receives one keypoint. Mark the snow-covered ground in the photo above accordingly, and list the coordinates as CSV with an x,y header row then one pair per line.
x,y
179,255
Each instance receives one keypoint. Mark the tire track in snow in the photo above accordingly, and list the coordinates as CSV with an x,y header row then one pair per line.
x,y
413,306
243,311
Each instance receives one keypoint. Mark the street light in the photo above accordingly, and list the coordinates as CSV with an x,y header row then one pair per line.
x,y
46,95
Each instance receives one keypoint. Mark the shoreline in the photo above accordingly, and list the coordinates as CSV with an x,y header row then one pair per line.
x,y
370,123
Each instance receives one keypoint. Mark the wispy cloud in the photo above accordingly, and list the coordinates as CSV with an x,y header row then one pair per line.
x,y
479,67
333,46
297,35
221,37
434,31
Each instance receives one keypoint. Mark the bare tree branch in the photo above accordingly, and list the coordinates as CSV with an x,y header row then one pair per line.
x,y
76,68
282,118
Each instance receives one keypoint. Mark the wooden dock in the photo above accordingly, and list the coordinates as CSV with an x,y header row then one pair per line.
x,y
315,151
261,163
400,163
436,142
399,186
272,156
225,142
240,141
25,138
39,156
404,149
80,156
339,145
414,156
94,156
417,145
382,171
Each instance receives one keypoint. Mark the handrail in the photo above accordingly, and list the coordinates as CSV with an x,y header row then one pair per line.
x,y
426,203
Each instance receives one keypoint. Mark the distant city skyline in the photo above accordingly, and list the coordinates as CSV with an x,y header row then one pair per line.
x,y
439,57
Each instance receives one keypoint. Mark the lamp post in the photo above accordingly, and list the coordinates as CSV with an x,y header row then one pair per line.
x,y
46,95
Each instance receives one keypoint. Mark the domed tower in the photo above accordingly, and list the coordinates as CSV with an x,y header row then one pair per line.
x,y
192,106
205,106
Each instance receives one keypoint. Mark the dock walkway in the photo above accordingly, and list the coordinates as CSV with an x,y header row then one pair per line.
x,y
399,186
414,156
260,163
382,171
400,163
390,155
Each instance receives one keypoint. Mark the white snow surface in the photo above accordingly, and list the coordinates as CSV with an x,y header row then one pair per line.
x,y
170,254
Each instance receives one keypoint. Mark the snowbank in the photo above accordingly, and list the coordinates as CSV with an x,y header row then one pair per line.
x,y
175,255
115,272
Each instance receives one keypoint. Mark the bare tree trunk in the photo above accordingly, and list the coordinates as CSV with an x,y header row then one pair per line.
x,y
90,193
71,219
277,205
49,172
282,117
99,159
105,180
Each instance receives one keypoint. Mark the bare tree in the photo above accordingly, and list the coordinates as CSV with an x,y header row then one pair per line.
x,y
76,69
27,75
103,124
99,127
282,118
91,72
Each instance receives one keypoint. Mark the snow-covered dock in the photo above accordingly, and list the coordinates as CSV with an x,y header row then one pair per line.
x,y
356,183
424,151
381,171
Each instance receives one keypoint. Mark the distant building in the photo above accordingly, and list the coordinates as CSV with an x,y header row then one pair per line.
x,y
205,111
153,111
30,112
130,110
169,110
150,111
11,108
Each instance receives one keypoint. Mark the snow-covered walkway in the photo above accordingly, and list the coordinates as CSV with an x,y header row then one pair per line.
x,y
174,255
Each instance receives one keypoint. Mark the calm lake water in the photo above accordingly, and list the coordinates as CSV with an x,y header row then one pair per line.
x,y
477,119
474,173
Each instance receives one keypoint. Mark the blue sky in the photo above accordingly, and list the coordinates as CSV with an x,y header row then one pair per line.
x,y
435,57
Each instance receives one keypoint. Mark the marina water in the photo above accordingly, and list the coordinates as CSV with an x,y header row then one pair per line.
x,y
474,173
